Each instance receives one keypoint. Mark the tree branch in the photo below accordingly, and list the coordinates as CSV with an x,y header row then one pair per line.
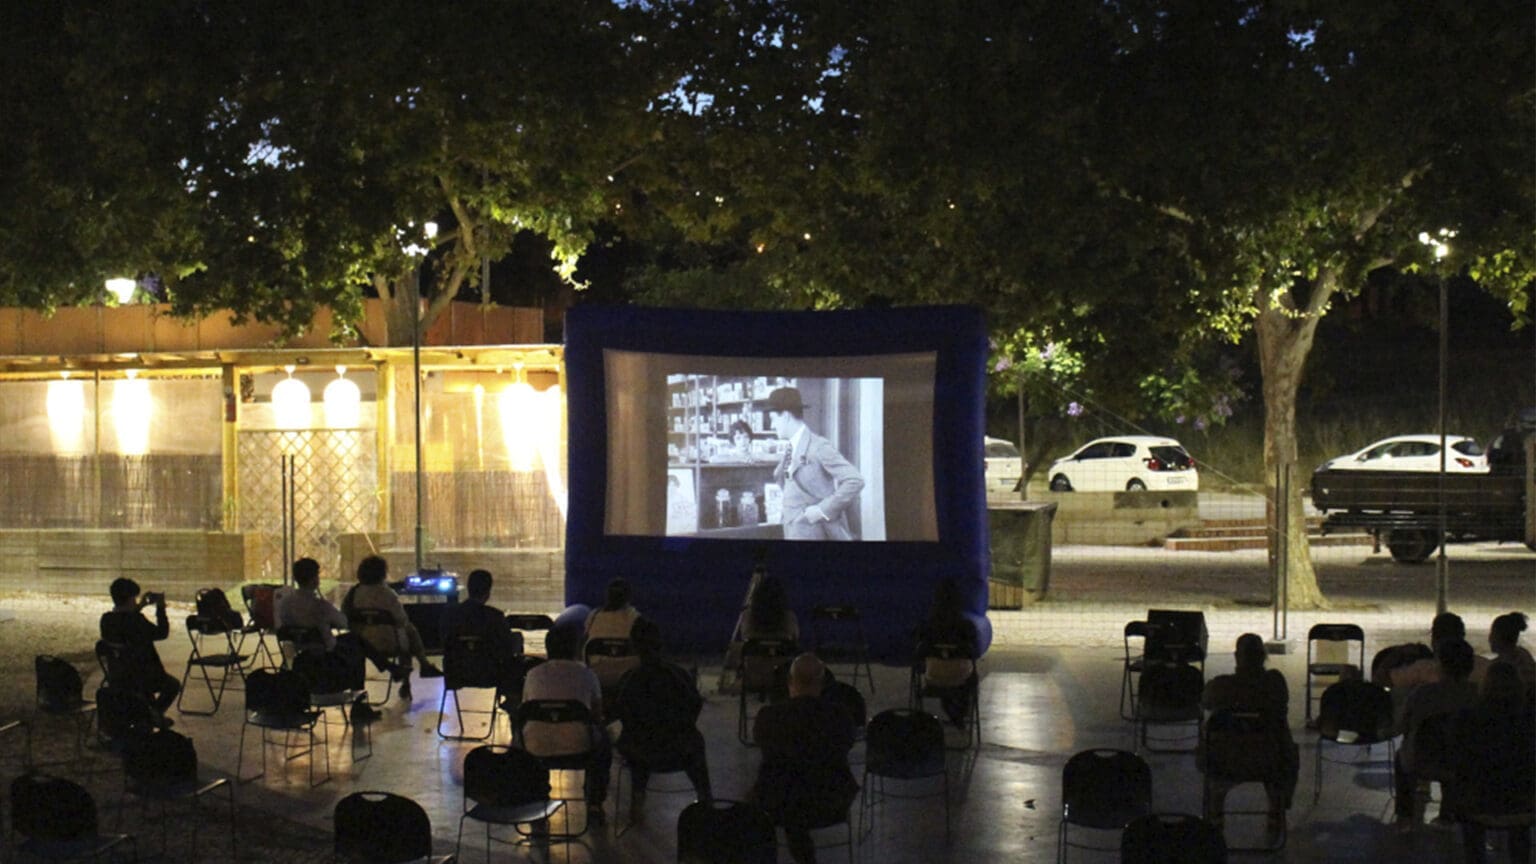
x,y
1124,194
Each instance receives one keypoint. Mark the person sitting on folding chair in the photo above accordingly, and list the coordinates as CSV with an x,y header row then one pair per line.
x,y
478,618
371,592
804,781
565,677
947,625
659,706
332,662
126,625
1256,690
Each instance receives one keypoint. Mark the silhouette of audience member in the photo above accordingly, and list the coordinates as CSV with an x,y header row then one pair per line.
x,y
126,625
947,624
1495,768
1253,689
1426,728
1504,641
768,615
615,618
658,704
371,592
1446,626
804,781
477,618
334,662
564,677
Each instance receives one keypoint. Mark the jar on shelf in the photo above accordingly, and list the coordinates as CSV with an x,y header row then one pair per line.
x,y
725,511
746,512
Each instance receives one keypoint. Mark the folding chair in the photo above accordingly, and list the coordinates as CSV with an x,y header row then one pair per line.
x,y
554,713
609,659
521,624
1352,713
380,634
1169,695
936,674
1239,747
278,701
901,745
1345,633
162,766
468,663
56,819
762,663
261,621
200,630
59,694
1160,838
382,828
1102,790
839,634
505,786
1133,666
722,831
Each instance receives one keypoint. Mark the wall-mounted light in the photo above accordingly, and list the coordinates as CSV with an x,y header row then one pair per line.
x,y
343,402
518,407
66,414
122,288
132,406
290,402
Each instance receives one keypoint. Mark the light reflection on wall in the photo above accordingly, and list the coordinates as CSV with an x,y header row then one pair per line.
x,y
66,415
132,406
519,409
553,411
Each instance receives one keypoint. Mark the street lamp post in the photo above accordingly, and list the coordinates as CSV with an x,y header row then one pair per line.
x,y
1440,243
430,229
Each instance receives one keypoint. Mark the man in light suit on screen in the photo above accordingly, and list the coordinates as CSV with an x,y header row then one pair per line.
x,y
819,484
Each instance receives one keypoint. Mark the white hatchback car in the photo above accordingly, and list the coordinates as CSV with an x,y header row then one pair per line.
x,y
1004,467
1414,453
1126,463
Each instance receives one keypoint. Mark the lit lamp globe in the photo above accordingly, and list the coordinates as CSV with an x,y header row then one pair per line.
x,y
290,402
343,402
122,289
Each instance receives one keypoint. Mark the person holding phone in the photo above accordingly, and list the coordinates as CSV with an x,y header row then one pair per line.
x,y
126,626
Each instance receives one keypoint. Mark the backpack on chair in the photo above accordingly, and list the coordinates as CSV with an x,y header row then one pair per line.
x,y
213,606
59,686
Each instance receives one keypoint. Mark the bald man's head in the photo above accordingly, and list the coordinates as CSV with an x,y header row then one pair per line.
x,y
806,675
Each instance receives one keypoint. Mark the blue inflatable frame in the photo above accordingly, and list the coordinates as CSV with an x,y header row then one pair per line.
x,y
694,587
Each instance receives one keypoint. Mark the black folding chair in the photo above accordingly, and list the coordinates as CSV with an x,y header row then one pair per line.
x,y
549,713
763,662
383,828
931,680
221,657
279,701
839,633
902,745
1132,666
56,820
468,663
505,786
162,766
1240,747
1355,714
1336,633
1102,790
261,621
1169,696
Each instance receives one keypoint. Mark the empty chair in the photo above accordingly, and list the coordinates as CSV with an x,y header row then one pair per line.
x,y
1335,633
838,631
469,662
725,832
522,624
213,654
763,662
60,693
1102,790
383,828
1171,838
1352,713
505,786
278,700
55,820
162,766
1168,695
905,746
1132,666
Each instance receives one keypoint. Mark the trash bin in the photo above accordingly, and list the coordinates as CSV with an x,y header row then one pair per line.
x,y
1021,551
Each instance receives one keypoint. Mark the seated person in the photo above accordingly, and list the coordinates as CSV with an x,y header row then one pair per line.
x,y
768,615
563,676
1403,679
371,592
948,625
659,706
1504,642
478,618
330,662
1252,689
615,618
804,781
126,625
1495,773
1437,700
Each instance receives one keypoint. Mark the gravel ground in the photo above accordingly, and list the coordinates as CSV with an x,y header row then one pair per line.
x,y
66,626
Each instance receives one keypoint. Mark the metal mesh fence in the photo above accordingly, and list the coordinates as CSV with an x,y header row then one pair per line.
x,y
333,475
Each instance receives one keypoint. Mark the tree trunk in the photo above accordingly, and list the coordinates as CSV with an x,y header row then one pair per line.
x,y
1285,339
400,307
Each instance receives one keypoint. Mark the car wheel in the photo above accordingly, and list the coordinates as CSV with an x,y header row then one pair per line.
x,y
1411,546
1060,483
1135,486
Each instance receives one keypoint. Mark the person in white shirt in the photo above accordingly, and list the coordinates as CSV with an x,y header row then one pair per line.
x,y
564,677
